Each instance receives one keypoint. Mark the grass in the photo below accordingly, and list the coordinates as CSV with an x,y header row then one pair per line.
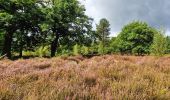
x,y
109,77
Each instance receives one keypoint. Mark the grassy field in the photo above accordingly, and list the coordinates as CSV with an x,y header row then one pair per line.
x,y
109,77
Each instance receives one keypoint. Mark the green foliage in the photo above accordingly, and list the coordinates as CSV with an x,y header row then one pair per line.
x,y
168,44
42,51
135,38
19,16
27,24
159,46
76,50
93,49
34,22
103,29
1,41
29,53
103,32
68,22
112,46
84,50
64,50
101,48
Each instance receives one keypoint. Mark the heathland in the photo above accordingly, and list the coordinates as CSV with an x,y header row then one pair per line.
x,y
109,77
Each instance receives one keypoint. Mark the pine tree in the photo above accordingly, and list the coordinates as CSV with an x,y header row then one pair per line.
x,y
103,31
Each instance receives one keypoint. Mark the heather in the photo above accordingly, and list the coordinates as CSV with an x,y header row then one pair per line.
x,y
109,77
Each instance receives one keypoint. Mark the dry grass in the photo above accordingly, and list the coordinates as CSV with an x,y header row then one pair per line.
x,y
77,78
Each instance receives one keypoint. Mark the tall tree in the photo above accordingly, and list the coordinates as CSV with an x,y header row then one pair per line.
x,y
64,17
103,31
135,38
18,15
1,41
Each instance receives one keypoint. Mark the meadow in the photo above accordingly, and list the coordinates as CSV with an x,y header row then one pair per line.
x,y
108,77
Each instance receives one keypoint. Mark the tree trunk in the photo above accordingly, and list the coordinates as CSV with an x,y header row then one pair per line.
x,y
54,46
21,44
7,44
20,51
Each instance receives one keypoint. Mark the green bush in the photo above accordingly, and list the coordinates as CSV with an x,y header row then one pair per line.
x,y
93,49
64,50
103,49
84,50
28,53
76,50
168,46
1,41
159,46
42,51
100,48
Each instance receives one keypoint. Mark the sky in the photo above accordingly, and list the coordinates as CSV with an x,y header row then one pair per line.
x,y
120,12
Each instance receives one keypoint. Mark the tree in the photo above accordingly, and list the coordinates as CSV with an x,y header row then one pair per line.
x,y
1,41
67,20
135,38
7,24
168,46
159,46
18,15
103,31
112,45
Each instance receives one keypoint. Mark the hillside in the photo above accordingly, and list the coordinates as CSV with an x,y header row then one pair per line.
x,y
78,78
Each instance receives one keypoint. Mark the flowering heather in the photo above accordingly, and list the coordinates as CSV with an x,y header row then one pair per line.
x,y
109,77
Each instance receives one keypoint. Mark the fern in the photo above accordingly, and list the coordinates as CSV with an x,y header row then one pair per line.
x,y
42,51
76,50
84,50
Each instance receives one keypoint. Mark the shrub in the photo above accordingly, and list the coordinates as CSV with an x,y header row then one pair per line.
x,y
159,46
76,50
93,49
100,48
42,51
84,50
28,53
64,50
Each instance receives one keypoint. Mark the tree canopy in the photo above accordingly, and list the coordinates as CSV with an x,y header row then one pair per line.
x,y
135,38
103,32
52,21
54,27
160,44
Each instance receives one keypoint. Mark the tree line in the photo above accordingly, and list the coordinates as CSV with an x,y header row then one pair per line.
x,y
58,27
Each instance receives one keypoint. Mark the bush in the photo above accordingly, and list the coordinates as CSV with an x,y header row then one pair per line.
x,y
101,48
84,50
168,46
76,49
28,53
64,50
93,49
42,51
159,46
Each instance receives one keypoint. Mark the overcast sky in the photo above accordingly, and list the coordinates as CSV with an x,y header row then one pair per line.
x,y
121,12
